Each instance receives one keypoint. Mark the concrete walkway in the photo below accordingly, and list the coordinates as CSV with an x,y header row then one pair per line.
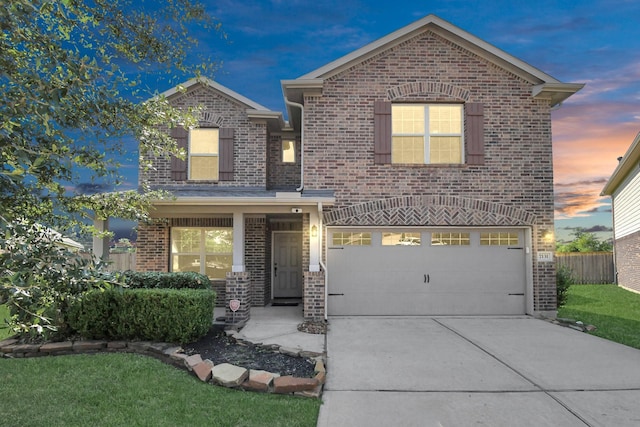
x,y
461,371
279,325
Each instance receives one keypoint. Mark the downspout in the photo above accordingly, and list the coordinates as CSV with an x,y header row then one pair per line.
x,y
301,107
322,265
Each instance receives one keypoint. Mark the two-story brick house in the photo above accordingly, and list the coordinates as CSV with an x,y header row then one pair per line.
x,y
413,177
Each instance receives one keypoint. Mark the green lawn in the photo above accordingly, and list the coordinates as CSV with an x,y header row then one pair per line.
x,y
613,310
133,390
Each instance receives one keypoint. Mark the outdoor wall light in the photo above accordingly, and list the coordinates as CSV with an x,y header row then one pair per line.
x,y
314,231
547,235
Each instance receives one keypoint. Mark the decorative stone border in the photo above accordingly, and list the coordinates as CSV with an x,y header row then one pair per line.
x,y
224,374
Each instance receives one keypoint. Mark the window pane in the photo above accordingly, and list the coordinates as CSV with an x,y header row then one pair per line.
x,y
407,119
400,239
185,263
204,168
203,141
185,240
450,239
445,149
498,239
407,149
288,151
445,119
217,266
351,239
219,240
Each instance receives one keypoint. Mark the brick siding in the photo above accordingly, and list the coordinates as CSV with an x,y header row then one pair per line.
x,y
627,253
518,170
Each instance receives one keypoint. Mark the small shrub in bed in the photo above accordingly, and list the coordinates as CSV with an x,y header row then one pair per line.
x,y
157,280
564,279
168,315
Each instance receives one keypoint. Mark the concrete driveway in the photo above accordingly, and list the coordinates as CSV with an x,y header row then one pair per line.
x,y
462,371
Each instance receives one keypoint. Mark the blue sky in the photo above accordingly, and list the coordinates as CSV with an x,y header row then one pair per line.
x,y
592,42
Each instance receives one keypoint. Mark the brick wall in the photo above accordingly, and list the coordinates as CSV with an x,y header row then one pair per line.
x,y
518,169
313,295
627,253
152,252
282,175
255,258
249,139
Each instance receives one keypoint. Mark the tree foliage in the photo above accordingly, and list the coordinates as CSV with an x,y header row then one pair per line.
x,y
72,100
71,82
585,242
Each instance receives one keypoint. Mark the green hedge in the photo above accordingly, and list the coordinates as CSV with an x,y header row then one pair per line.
x,y
167,315
155,280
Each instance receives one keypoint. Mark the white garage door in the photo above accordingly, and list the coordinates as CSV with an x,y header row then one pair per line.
x,y
426,271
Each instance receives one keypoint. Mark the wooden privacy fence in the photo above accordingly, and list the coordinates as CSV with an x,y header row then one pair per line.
x,y
122,261
588,267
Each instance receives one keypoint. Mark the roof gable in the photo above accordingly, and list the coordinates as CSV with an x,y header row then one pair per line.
x,y
225,91
629,162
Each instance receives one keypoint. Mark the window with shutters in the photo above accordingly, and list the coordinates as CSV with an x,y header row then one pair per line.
x,y
426,134
422,134
204,154
209,154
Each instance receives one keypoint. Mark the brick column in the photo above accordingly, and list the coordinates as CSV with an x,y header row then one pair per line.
x,y
238,287
314,295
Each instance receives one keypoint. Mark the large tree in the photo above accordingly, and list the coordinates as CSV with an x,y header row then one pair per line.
x,y
74,91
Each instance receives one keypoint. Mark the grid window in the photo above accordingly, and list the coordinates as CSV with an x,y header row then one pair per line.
x,y
202,250
351,239
400,239
450,239
204,154
426,133
498,239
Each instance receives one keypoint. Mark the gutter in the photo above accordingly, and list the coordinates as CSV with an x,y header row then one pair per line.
x,y
301,107
322,264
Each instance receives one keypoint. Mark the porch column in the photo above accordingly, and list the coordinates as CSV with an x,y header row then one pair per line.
x,y
314,241
101,244
238,243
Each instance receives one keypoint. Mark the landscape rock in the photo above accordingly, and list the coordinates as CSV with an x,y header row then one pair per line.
x,y
259,380
55,347
289,351
116,345
192,361
229,375
81,346
289,384
203,370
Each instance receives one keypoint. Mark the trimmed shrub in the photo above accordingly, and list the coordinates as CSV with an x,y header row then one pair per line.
x,y
156,280
564,279
169,315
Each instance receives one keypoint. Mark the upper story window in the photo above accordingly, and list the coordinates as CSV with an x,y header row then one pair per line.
x,y
288,151
203,154
424,134
210,154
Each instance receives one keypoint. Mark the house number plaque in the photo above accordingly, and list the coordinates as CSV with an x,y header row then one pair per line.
x,y
234,305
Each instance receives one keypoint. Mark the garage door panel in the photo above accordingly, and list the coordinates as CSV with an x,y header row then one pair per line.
x,y
426,279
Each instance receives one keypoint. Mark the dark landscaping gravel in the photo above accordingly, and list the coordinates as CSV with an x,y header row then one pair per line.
x,y
219,348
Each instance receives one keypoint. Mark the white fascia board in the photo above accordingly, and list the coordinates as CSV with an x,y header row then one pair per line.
x,y
246,201
217,86
630,160
555,92
452,32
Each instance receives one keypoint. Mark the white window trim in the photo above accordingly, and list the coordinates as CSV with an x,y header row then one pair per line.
x,y
426,136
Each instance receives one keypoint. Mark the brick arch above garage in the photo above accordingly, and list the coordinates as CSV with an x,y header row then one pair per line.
x,y
429,211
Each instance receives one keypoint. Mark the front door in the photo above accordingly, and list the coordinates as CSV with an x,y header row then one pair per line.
x,y
287,265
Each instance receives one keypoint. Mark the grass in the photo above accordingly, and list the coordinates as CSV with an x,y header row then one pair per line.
x,y
133,390
613,310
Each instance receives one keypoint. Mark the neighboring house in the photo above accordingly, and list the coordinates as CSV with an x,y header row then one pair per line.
x,y
414,177
624,189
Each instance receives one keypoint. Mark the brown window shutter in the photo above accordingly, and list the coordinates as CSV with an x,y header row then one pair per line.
x,y
382,132
226,154
474,130
179,166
